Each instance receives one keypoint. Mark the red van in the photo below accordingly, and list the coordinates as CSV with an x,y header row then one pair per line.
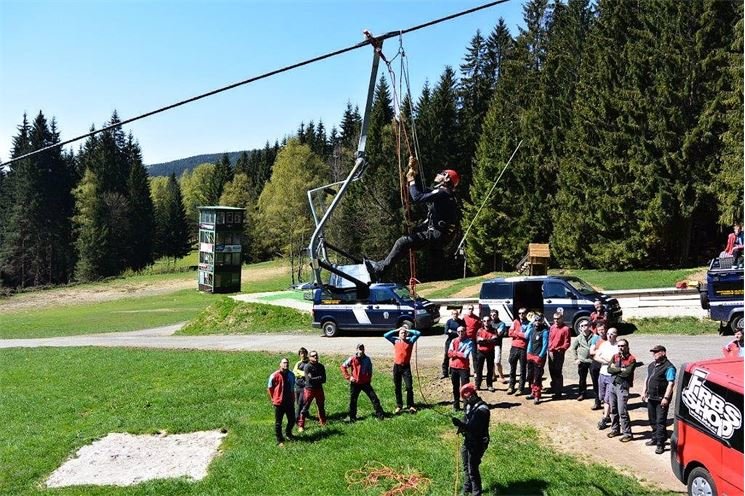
x,y
707,441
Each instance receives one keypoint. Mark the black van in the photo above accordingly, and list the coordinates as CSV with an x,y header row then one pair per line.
x,y
548,294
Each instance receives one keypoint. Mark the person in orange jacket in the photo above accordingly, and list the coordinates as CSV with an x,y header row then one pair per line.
x,y
518,352
358,370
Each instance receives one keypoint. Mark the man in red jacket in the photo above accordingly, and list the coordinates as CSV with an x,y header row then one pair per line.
x,y
280,388
559,340
518,351
473,324
358,370
486,339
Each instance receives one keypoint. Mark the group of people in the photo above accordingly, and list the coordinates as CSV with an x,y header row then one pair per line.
x,y
293,391
472,342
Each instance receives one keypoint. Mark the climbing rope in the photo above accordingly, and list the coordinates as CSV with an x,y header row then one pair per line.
x,y
375,473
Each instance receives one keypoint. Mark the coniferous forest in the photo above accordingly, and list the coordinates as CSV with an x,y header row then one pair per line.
x,y
631,120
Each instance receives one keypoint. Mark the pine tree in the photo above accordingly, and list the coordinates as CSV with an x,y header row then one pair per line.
x,y
141,212
172,230
350,127
499,46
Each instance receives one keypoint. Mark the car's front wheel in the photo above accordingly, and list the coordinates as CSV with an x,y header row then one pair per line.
x,y
735,324
329,329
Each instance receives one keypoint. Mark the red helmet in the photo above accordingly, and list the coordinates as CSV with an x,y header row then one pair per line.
x,y
467,388
454,176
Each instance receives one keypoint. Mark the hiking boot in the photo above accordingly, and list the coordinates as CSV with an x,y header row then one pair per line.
x,y
397,410
511,391
613,434
373,268
626,438
580,396
650,442
596,406
660,450
412,409
536,401
603,424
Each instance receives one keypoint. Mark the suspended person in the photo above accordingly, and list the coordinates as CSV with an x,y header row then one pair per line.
x,y
280,389
358,370
403,340
475,430
437,229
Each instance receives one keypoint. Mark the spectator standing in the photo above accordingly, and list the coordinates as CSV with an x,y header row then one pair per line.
x,y
280,389
451,332
559,340
299,371
460,352
621,368
537,350
475,430
486,339
473,324
315,378
735,242
658,393
735,347
582,358
518,353
599,315
600,337
403,340
604,355
358,370
500,329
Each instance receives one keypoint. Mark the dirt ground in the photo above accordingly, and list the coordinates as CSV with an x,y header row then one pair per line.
x,y
569,426
115,290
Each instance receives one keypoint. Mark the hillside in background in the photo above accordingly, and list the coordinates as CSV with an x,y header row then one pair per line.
x,y
182,164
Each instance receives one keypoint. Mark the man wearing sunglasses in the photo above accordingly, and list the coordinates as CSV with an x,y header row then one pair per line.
x,y
437,229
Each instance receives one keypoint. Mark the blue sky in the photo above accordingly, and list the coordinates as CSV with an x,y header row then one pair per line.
x,y
80,60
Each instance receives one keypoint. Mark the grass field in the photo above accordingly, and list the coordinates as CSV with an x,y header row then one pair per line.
x,y
690,326
227,316
58,400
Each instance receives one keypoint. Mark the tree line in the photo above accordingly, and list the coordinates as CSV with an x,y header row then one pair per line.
x,y
630,114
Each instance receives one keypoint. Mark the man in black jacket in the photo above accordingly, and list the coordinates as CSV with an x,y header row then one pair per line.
x,y
658,392
475,430
315,377
442,217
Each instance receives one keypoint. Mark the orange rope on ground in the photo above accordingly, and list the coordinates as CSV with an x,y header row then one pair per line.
x,y
375,473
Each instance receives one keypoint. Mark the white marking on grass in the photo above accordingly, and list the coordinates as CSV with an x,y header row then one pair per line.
x,y
121,459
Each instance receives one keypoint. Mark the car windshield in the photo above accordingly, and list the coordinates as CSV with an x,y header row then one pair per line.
x,y
581,286
403,293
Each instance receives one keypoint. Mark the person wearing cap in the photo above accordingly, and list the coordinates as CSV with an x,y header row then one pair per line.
x,y
280,389
459,353
475,430
451,332
440,225
358,370
603,355
658,393
517,351
403,340
537,336
621,368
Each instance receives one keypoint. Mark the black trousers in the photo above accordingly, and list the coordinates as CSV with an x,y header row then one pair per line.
x,y
445,359
517,355
285,409
458,377
481,357
556,369
419,238
471,457
658,421
354,393
595,376
582,370
299,401
403,372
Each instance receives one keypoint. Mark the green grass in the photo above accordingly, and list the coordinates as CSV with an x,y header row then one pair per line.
x,y
58,400
266,276
108,316
227,316
690,326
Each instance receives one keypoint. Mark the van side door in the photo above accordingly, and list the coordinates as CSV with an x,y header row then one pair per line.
x,y
383,309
